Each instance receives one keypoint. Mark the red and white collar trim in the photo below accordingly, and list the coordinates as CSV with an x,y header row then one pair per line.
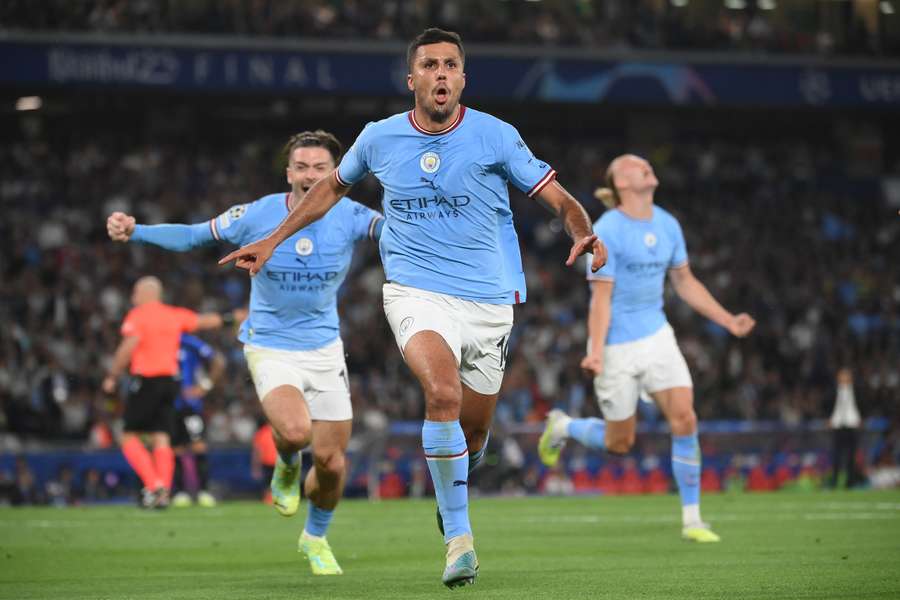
x,y
459,117
287,201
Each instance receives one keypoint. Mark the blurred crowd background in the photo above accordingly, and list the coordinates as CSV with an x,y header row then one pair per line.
x,y
790,216
784,229
766,26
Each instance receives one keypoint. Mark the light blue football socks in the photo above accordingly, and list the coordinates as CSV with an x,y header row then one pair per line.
x,y
590,432
448,462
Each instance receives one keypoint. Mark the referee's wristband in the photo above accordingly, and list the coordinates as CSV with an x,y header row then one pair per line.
x,y
228,319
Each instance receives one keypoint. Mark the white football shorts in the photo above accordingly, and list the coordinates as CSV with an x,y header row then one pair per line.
x,y
477,332
637,369
321,375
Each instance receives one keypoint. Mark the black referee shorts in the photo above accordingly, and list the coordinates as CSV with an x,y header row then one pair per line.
x,y
150,406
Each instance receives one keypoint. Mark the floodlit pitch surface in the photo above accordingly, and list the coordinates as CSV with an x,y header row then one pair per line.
x,y
837,545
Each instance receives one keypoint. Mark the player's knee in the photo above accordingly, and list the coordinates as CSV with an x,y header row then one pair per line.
x,y
475,438
330,463
684,423
295,434
441,396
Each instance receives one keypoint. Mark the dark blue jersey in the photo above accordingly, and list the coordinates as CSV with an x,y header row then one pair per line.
x,y
193,354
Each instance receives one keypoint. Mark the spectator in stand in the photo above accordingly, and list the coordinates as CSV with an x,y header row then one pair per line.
x,y
596,24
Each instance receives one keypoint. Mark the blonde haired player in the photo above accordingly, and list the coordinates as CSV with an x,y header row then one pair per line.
x,y
632,350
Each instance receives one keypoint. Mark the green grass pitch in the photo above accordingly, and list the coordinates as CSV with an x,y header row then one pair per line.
x,y
839,545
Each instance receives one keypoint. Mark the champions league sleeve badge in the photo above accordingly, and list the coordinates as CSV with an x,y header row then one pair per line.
x,y
232,214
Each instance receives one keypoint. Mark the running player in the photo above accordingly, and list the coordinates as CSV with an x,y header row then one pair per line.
x,y
189,433
291,338
632,350
151,333
451,256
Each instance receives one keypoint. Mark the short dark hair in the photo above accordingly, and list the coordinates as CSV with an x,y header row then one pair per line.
x,y
314,139
433,35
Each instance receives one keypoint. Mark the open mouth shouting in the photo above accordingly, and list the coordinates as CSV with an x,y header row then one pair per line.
x,y
441,95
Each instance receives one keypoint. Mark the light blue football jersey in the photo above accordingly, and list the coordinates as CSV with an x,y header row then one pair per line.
x,y
448,224
639,253
293,299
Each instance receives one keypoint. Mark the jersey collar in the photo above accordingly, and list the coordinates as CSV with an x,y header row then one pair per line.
x,y
412,121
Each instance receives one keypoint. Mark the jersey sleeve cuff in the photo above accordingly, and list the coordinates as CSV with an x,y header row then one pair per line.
x,y
214,229
550,176
340,181
373,225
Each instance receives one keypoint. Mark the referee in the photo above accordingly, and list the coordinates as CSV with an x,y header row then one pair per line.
x,y
151,334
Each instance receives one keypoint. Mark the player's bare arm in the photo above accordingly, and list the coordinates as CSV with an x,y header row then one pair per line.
x,y
121,360
692,291
216,369
577,224
318,201
217,320
598,325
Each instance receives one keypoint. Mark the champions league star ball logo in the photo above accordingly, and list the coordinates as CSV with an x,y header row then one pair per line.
x,y
649,240
304,246
430,162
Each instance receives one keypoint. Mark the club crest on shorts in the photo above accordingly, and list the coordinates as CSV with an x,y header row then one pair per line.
x,y
304,246
405,324
649,239
430,162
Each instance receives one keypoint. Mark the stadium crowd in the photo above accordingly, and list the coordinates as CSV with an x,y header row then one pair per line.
x,y
603,24
787,231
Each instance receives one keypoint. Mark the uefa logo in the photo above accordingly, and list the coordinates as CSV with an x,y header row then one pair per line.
x,y
649,240
304,246
430,162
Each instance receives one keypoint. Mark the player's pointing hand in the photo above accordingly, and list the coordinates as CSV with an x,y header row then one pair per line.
x,y
251,257
589,244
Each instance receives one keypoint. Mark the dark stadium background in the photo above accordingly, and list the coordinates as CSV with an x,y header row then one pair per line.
x,y
775,133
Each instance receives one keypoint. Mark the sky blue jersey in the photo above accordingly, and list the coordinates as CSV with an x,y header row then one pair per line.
x,y
293,299
192,353
640,252
448,224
